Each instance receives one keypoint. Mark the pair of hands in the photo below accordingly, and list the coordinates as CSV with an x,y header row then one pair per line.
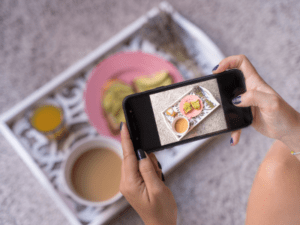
x,y
141,181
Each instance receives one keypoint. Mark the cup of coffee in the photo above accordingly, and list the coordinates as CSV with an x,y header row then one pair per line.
x,y
92,172
180,125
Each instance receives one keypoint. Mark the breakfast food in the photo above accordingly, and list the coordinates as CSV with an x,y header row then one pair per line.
x,y
46,118
181,125
159,79
114,91
187,107
49,120
196,104
113,94
96,174
171,112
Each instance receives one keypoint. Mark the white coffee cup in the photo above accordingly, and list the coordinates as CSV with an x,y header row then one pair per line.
x,y
77,150
174,122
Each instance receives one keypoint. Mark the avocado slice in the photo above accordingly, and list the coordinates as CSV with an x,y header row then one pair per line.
x,y
196,104
147,83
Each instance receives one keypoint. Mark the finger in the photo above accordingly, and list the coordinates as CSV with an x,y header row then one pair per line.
x,y
154,161
240,62
235,137
149,174
255,98
155,164
130,167
123,178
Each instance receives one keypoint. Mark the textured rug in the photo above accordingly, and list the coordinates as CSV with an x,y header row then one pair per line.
x,y
40,39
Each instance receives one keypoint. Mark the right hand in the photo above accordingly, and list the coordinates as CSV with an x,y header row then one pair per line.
x,y
272,116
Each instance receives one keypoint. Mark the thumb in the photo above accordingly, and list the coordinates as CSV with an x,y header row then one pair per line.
x,y
148,172
253,98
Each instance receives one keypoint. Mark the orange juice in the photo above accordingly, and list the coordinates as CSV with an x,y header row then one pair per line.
x,y
48,119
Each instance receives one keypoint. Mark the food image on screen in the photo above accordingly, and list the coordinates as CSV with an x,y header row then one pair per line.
x,y
188,111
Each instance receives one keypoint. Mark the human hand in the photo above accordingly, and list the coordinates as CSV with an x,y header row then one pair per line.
x,y
272,116
142,186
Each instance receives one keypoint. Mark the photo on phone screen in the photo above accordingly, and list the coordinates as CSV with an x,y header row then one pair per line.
x,y
188,111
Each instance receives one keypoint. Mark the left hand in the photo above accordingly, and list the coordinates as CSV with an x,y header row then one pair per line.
x,y
143,188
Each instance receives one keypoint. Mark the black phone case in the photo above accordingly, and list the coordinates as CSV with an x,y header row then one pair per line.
x,y
248,109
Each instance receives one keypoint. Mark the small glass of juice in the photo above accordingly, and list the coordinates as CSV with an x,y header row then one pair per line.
x,y
49,119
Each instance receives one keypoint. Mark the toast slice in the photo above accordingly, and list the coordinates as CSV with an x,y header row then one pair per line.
x,y
113,94
196,104
187,107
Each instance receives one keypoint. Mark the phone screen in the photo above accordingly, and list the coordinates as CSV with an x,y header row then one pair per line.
x,y
186,111
189,111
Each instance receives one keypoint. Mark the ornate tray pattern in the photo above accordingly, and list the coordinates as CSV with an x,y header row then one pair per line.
x,y
208,108
45,157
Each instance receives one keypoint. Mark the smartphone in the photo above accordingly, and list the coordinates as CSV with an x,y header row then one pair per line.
x,y
187,111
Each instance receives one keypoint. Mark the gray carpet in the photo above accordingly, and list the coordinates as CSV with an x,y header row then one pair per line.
x,y
40,39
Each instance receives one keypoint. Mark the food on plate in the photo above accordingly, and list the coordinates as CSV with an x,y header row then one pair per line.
x,y
196,104
187,107
171,112
144,83
181,125
114,92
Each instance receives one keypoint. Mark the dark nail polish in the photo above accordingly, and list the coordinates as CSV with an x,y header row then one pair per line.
x,y
237,100
159,165
162,177
215,68
121,125
140,154
231,141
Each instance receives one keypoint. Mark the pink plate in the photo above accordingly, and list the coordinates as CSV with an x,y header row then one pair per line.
x,y
124,66
194,112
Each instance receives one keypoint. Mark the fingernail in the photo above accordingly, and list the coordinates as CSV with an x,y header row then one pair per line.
x,y
159,165
162,177
215,68
121,125
237,100
140,154
231,141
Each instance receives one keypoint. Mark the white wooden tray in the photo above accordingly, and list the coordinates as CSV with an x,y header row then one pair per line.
x,y
195,120
44,157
